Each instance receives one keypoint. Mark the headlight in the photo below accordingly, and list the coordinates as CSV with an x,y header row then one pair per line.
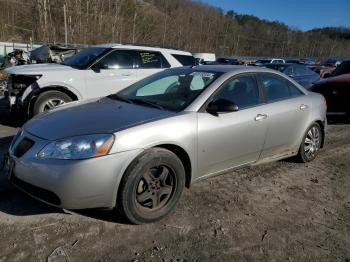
x,y
80,147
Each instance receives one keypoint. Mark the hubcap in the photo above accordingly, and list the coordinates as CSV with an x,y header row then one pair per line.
x,y
312,142
53,103
155,188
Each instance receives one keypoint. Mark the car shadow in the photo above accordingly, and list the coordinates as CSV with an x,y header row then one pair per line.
x,y
338,120
112,216
12,200
8,118
11,119
17,203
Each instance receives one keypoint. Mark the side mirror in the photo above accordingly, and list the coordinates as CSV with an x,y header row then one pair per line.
x,y
221,106
98,66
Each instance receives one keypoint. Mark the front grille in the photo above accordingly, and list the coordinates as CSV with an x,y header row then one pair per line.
x,y
23,147
35,191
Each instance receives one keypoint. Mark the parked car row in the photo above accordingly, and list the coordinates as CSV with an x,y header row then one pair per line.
x,y
300,73
35,89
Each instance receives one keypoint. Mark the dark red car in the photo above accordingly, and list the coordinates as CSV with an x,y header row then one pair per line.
x,y
336,91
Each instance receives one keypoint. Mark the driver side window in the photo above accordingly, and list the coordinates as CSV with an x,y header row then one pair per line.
x,y
117,60
242,91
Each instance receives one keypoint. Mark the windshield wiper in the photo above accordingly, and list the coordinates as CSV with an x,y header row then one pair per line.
x,y
136,101
116,97
147,102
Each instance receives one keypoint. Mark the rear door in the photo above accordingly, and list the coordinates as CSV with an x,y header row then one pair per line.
x,y
236,138
112,73
287,109
149,63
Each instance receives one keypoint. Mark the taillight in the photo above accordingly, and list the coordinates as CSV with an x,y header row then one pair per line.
x,y
325,101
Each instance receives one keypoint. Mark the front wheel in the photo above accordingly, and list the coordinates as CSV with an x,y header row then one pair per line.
x,y
151,187
49,100
310,144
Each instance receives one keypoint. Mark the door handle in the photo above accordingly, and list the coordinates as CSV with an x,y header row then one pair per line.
x,y
260,117
303,107
126,74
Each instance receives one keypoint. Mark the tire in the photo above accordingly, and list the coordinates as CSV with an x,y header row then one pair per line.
x,y
311,143
151,186
49,100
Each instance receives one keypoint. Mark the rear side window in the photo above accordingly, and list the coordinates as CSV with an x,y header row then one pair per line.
x,y
293,90
185,60
276,88
148,59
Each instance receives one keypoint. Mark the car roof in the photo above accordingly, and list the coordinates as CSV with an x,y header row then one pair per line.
x,y
143,47
233,68
281,64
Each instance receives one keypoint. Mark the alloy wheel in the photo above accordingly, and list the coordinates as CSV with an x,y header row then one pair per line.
x,y
155,188
53,103
312,142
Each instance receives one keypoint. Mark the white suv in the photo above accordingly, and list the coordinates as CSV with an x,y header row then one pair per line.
x,y
94,72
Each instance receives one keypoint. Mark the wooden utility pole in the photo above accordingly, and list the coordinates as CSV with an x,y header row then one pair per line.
x,y
65,25
134,23
165,23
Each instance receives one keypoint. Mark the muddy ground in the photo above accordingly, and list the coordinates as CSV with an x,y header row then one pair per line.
x,y
281,211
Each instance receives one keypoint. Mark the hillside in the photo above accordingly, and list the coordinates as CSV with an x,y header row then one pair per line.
x,y
183,24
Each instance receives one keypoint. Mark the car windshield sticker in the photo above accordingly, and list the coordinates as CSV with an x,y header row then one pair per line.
x,y
148,58
202,74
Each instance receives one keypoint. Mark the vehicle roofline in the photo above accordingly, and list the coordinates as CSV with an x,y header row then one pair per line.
x,y
143,47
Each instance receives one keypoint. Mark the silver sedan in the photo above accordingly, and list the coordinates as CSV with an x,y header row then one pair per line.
x,y
137,149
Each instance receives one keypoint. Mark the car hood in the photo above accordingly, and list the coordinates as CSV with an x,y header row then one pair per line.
x,y
102,116
37,69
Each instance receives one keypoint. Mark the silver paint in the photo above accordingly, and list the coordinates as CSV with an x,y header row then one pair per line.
x,y
214,144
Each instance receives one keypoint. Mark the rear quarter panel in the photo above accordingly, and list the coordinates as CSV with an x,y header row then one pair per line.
x,y
318,112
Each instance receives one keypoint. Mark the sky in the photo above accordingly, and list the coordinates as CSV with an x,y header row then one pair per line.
x,y
299,14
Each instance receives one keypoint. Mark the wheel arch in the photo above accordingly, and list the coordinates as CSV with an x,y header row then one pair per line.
x,y
322,124
184,158
59,88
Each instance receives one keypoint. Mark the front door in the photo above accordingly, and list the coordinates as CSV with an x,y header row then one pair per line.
x,y
111,74
236,138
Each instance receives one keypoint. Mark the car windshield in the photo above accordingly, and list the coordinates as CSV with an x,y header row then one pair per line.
x,y
85,57
171,90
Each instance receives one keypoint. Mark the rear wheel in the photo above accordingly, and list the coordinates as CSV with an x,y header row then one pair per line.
x,y
311,143
151,187
49,100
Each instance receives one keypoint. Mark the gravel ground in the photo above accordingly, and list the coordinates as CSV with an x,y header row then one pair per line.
x,y
280,211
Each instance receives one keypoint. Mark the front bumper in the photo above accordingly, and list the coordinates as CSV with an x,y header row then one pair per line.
x,y
69,184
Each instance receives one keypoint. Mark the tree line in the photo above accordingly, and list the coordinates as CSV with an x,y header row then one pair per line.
x,y
182,24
